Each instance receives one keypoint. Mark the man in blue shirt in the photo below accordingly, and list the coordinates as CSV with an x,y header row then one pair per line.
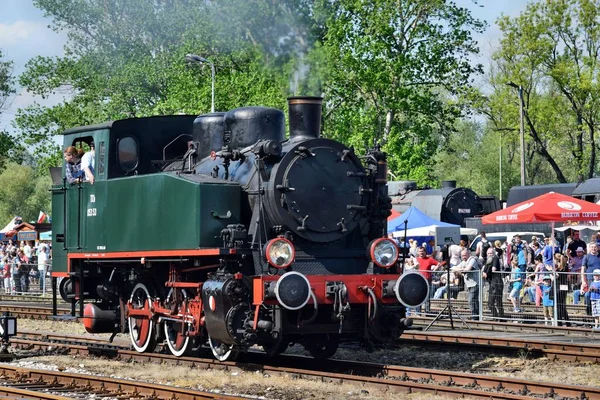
x,y
519,251
548,252
590,263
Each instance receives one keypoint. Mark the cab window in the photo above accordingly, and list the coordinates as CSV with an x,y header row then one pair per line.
x,y
127,154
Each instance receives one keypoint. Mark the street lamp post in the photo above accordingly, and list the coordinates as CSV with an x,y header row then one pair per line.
x,y
202,60
522,129
500,170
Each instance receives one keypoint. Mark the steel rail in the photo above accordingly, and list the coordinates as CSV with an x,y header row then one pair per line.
x,y
33,381
385,377
552,350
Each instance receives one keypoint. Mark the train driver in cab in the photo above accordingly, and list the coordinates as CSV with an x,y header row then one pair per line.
x,y
73,157
87,164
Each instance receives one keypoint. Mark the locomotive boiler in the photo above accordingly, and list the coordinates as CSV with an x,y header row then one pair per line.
x,y
218,230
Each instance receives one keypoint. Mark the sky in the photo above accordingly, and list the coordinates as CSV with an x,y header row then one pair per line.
x,y
24,34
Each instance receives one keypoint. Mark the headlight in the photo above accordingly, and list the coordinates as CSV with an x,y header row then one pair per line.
x,y
280,253
383,252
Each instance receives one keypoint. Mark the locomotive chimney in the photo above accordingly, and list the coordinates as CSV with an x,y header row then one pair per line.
x,y
305,116
448,184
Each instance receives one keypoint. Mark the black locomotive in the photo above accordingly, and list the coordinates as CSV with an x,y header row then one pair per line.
x,y
448,204
278,240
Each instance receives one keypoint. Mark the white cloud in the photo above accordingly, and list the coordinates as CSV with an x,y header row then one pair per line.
x,y
19,31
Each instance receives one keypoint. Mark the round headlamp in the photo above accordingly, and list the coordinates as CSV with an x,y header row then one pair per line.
x,y
383,252
280,253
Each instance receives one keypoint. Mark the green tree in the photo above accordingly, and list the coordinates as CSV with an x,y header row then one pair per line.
x,y
126,58
23,193
8,146
398,70
6,82
552,51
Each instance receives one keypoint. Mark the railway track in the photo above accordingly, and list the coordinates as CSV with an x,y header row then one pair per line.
x,y
575,352
385,377
44,312
422,322
36,312
25,383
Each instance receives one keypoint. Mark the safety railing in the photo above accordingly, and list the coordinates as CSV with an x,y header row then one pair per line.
x,y
544,297
29,278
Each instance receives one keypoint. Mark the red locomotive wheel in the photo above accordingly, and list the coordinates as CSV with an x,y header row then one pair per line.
x,y
178,344
142,330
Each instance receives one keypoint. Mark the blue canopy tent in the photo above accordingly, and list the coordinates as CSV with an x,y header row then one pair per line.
x,y
415,219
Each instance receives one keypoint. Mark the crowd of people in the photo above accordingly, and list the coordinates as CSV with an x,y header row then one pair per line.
x,y
539,272
23,265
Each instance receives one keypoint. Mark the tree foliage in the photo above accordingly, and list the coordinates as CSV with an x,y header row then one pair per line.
x,y
552,51
126,58
6,82
23,192
396,70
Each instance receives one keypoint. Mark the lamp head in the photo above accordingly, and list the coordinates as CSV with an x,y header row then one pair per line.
x,y
195,58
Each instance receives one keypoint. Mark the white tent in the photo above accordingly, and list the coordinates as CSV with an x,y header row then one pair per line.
x,y
11,225
430,231
577,227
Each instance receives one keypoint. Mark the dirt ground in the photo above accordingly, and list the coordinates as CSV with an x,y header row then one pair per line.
x,y
265,386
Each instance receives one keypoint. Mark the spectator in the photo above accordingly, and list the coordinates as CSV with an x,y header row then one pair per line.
x,y
87,164
492,272
469,267
482,247
562,287
517,284
548,299
432,249
500,254
548,252
426,266
519,251
575,243
575,265
73,170
455,251
565,248
595,298
541,270
42,266
16,274
453,287
23,270
27,250
535,247
591,262
6,273
413,247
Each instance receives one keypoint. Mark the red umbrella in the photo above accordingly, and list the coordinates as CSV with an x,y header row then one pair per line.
x,y
549,207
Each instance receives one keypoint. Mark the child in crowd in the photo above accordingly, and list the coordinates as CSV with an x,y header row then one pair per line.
x,y
517,285
595,298
547,299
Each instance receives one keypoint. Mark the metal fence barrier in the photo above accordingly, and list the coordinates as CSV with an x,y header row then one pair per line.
x,y
520,299
29,279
